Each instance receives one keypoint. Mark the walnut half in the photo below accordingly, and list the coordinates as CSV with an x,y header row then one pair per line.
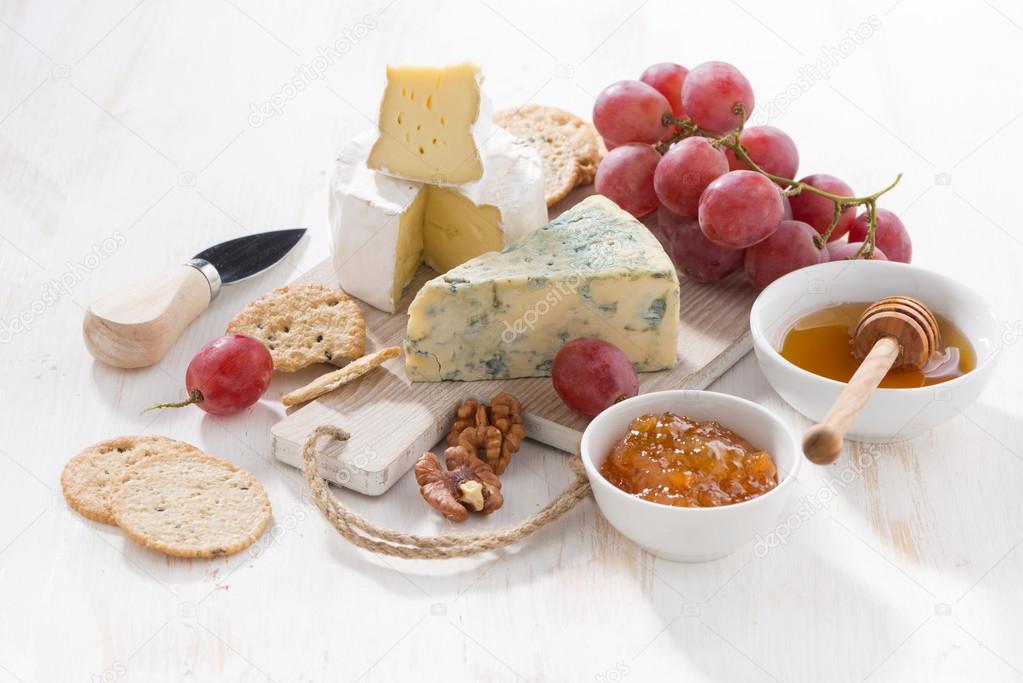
x,y
506,414
466,484
496,429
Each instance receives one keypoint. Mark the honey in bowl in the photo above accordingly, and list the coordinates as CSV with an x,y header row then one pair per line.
x,y
677,461
822,343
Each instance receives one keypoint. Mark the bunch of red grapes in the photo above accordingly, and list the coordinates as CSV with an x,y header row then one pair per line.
x,y
725,194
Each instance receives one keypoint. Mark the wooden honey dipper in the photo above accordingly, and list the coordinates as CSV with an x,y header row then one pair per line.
x,y
897,332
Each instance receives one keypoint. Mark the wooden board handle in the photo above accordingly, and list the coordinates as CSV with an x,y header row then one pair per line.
x,y
822,443
135,326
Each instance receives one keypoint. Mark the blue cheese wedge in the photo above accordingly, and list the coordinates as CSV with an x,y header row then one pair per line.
x,y
595,271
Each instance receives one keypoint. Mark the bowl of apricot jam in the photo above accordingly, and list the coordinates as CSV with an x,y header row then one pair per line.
x,y
802,326
690,476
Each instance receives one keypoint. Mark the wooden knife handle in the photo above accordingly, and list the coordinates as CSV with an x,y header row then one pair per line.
x,y
134,327
822,443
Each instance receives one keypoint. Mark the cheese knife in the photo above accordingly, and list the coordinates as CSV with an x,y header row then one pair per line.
x,y
134,327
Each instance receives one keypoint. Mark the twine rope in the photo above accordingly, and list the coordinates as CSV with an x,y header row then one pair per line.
x,y
364,534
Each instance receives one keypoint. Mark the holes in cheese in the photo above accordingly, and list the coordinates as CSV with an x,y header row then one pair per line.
x,y
434,137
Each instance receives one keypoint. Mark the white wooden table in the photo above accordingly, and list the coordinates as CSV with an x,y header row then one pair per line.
x,y
133,133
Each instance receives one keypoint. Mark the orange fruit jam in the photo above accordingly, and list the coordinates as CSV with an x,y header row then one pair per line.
x,y
673,460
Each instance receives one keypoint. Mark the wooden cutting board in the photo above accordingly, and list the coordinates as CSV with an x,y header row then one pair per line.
x,y
393,421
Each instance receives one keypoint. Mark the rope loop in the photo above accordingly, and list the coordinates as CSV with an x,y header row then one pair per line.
x,y
364,534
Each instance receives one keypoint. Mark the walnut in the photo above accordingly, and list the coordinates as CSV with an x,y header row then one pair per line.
x,y
497,429
486,438
470,414
506,414
466,484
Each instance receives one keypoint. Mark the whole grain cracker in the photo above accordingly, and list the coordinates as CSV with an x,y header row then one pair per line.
x,y
304,324
191,505
588,166
570,147
89,478
327,383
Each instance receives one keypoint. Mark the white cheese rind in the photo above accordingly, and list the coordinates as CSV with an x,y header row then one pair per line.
x,y
367,208
512,182
365,214
595,270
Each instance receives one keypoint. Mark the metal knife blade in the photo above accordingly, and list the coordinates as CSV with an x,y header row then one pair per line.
x,y
246,256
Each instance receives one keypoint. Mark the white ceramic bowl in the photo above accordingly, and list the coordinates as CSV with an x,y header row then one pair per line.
x,y
692,534
890,414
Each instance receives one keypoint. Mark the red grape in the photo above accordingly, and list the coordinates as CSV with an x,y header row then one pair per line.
x,y
789,248
631,111
669,222
711,91
838,251
787,207
694,254
590,374
818,211
889,234
770,148
685,171
667,78
740,209
626,177
654,223
228,374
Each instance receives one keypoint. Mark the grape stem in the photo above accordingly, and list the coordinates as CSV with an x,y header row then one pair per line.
x,y
686,128
194,397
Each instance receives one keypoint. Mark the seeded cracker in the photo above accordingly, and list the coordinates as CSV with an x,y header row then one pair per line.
x,y
327,383
570,147
89,478
191,505
304,324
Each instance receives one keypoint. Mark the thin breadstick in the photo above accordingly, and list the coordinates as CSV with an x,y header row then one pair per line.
x,y
327,383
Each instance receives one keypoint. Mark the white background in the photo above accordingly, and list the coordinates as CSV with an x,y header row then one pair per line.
x,y
131,122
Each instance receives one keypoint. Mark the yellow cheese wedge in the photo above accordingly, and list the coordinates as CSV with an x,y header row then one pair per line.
x,y
455,229
430,124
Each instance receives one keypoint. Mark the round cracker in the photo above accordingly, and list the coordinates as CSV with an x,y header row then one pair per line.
x,y
570,147
191,505
89,479
304,324
559,180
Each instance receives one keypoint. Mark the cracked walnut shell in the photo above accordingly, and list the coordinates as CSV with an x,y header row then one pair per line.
x,y
465,484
